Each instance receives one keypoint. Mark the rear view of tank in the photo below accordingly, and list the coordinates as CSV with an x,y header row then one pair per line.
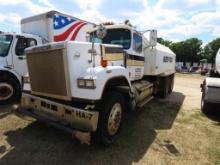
x,y
211,89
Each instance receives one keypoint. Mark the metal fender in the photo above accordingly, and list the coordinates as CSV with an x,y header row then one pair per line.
x,y
102,76
12,73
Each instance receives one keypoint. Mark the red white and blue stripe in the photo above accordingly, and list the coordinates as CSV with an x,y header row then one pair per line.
x,y
66,28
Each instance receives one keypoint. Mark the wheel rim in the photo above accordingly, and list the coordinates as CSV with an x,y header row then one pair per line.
x,y
6,91
114,119
202,103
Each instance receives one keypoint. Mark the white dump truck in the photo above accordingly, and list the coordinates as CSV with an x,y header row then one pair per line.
x,y
36,30
86,87
211,88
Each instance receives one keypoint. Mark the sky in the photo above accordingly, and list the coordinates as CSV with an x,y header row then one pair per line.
x,y
175,20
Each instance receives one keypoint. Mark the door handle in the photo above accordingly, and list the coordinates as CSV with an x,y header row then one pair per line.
x,y
22,58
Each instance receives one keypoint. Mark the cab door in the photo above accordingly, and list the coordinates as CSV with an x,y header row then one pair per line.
x,y
19,57
6,42
135,58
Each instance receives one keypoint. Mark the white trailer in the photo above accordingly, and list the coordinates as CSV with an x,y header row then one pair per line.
x,y
54,26
87,87
211,88
48,27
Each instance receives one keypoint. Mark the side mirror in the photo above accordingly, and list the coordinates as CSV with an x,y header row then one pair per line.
x,y
87,37
32,43
18,36
153,38
101,31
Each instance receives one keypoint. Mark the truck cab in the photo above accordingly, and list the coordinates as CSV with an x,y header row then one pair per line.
x,y
13,63
132,44
143,55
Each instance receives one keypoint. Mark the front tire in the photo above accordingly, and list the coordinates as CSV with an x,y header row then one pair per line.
x,y
10,90
111,115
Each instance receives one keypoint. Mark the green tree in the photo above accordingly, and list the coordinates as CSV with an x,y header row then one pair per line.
x,y
189,50
211,49
193,49
178,49
164,42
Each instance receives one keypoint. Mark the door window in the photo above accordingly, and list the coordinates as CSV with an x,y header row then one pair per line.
x,y
115,36
137,43
5,43
24,43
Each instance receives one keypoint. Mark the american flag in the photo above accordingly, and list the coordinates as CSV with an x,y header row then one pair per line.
x,y
66,28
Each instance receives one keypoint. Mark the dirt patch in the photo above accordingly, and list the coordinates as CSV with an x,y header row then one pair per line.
x,y
169,131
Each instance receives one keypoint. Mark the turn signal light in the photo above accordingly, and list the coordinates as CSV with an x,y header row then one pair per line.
x,y
104,63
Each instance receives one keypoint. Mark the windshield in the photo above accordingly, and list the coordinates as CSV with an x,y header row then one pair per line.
x,y
115,36
5,42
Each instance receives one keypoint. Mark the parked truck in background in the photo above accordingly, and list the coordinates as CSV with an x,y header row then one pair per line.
x,y
88,86
211,88
48,27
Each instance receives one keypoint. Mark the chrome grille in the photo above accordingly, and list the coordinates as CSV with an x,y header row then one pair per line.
x,y
48,73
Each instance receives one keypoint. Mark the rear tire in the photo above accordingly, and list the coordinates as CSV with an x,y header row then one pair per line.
x,y
171,84
10,90
164,87
110,118
205,106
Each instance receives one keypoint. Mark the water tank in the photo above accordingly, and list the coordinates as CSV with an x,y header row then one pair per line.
x,y
218,61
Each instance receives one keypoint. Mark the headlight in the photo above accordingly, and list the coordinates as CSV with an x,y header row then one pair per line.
x,y
90,83
86,83
81,82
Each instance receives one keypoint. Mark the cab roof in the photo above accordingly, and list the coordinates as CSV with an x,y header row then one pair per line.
x,y
116,26
19,34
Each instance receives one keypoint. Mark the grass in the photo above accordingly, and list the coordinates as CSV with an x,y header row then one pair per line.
x,y
213,134
198,115
162,132
48,145
152,134
214,152
190,75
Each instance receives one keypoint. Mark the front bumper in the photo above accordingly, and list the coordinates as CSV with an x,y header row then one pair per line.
x,y
53,112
